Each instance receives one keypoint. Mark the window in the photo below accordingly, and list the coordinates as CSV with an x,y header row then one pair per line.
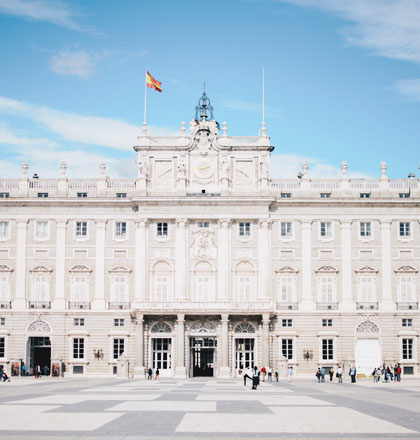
x,y
405,229
327,323
4,229
286,289
203,224
81,229
162,229
407,349
286,229
79,322
2,321
118,322
286,323
41,230
327,349
325,195
202,287
365,229
244,229
41,288
407,322
404,195
120,229
244,288
119,288
366,289
118,348
43,195
80,288
326,229
161,288
4,195
406,288
121,195
326,286
286,195
4,287
2,347
78,348
287,348
364,195
81,195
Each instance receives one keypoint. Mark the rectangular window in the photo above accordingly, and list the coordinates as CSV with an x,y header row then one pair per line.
x,y
327,349
286,323
406,288
286,229
326,286
366,289
365,229
407,349
118,348
325,195
407,322
41,229
364,195
287,348
404,195
120,229
162,229
80,288
41,288
4,195
81,195
286,195
286,286
78,348
161,288
202,288
244,288
2,347
43,195
326,229
2,321
203,224
244,229
118,322
121,195
79,322
405,229
4,288
327,323
4,229
81,229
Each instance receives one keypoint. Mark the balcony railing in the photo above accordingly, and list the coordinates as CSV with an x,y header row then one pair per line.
x,y
5,305
367,306
39,304
287,306
206,306
79,305
407,306
118,305
326,306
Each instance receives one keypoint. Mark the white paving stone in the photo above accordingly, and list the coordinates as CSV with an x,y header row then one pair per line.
x,y
192,406
66,399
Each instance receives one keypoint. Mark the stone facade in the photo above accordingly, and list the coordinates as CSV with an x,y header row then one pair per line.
x,y
203,265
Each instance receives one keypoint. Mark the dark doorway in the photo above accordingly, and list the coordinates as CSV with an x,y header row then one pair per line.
x,y
39,353
202,356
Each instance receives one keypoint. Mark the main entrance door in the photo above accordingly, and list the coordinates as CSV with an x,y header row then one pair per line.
x,y
244,348
202,356
161,351
367,355
39,352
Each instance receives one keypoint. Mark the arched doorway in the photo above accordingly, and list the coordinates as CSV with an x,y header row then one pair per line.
x,y
203,343
368,349
38,347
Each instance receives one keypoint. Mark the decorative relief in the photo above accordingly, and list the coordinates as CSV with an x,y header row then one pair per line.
x,y
326,269
161,327
244,327
80,268
39,327
406,269
287,270
366,269
119,269
41,268
367,327
5,268
202,328
203,246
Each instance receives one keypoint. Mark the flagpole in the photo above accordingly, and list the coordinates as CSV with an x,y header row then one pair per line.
x,y
145,96
263,95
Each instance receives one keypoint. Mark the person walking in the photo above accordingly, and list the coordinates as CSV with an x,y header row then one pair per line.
x,y
247,374
399,371
255,378
276,375
149,374
322,374
318,375
352,374
23,369
270,374
340,374
263,372
157,374
289,374
331,373
375,375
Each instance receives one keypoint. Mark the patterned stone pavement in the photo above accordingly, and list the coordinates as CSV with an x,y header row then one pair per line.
x,y
207,408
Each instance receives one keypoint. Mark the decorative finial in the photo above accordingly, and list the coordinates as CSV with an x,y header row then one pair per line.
x,y
344,168
204,86
225,129
305,169
263,129
63,168
25,168
182,127
383,171
204,107
102,168
144,129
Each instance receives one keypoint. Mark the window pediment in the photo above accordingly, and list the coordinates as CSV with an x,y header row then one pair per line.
x,y
119,269
406,269
80,269
326,269
366,270
5,268
41,269
287,270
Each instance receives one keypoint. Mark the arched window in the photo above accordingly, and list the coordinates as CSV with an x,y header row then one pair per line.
x,y
327,284
119,285
244,327
79,290
162,282
245,282
161,327
204,283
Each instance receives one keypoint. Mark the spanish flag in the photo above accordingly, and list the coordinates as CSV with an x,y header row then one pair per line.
x,y
153,83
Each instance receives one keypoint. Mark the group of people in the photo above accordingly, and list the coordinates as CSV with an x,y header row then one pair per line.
x,y
388,374
322,372
150,374
254,374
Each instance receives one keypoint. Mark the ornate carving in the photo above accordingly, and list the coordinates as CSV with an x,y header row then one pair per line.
x,y
264,172
119,269
200,328
161,327
367,327
287,269
326,269
39,327
244,327
224,169
80,268
203,246
366,269
41,268
5,268
143,169
406,269
182,168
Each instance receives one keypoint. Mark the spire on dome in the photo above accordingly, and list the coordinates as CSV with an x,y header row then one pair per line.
x,y
204,110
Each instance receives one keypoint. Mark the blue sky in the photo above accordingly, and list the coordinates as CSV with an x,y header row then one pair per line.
x,y
342,80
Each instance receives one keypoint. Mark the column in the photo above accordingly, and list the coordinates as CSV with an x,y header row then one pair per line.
x,y
139,368
347,303
387,302
141,267
60,266
99,301
180,371
264,260
224,371
181,259
266,340
307,302
20,297
223,292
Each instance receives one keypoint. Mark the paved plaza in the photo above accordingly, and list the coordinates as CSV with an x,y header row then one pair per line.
x,y
207,408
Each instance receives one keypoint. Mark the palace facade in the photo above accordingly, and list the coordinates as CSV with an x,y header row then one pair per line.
x,y
204,265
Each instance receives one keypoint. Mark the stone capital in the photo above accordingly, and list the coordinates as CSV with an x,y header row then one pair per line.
x,y
142,222
224,317
101,223
181,222
181,318
224,222
265,223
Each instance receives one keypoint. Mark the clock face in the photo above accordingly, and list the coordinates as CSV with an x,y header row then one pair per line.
x,y
204,169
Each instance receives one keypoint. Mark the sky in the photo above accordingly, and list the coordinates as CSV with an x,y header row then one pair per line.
x,y
342,81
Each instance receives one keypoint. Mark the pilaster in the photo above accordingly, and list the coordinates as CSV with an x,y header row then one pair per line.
x,y
387,303
181,259
20,299
59,302
99,301
224,371
347,302
141,265
224,260
180,371
264,259
139,368
266,340
307,302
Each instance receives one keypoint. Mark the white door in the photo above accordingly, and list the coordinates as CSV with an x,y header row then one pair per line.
x,y
368,356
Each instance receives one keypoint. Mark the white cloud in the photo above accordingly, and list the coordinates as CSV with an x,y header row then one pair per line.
x,y
77,63
409,88
242,105
390,28
52,11
8,137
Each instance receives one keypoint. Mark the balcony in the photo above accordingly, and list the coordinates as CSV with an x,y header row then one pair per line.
x,y
79,305
367,306
407,306
207,307
327,306
39,304
118,305
287,306
5,305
